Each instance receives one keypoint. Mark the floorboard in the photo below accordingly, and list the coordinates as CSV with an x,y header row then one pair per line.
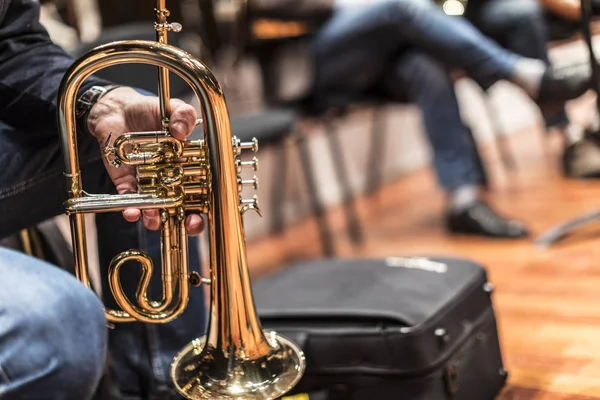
x,y
547,300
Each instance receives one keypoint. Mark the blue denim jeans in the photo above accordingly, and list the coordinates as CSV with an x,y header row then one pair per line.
x,y
521,27
355,48
422,80
32,189
404,49
52,332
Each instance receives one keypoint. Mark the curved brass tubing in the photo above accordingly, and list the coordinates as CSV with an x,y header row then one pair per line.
x,y
153,311
236,359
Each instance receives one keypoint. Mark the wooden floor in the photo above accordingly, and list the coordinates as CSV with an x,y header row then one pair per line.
x,y
548,301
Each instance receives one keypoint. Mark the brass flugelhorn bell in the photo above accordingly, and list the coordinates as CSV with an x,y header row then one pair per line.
x,y
236,359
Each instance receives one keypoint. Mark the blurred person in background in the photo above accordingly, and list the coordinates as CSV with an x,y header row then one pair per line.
x,y
405,49
53,336
569,10
521,27
526,27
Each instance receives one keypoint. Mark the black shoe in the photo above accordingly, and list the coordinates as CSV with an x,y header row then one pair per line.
x,y
581,159
561,85
479,219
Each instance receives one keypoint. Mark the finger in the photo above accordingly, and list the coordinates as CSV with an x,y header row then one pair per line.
x,y
124,179
183,119
126,183
151,219
194,224
132,214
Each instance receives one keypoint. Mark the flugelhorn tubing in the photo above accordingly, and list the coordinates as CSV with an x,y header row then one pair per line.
x,y
141,138
237,358
105,203
229,272
164,87
163,310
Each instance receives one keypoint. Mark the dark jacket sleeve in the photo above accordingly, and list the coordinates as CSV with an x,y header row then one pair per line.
x,y
291,9
31,69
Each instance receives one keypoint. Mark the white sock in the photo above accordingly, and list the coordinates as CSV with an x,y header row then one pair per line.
x,y
595,122
528,74
463,197
573,133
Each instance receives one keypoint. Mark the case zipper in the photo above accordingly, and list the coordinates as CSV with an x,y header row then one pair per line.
x,y
483,321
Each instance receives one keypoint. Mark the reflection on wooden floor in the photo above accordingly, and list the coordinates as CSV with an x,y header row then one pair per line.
x,y
548,301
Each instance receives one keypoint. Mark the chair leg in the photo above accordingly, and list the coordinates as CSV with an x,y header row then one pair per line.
x,y
278,189
318,209
335,146
503,146
375,163
560,231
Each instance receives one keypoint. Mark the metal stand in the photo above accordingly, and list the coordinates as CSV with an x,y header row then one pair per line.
x,y
558,232
354,227
502,144
318,209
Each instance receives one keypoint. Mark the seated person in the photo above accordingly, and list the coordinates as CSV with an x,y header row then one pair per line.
x,y
569,10
522,27
52,329
564,17
404,49
551,19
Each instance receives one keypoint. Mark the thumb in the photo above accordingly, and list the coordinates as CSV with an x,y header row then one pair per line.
x,y
125,183
182,120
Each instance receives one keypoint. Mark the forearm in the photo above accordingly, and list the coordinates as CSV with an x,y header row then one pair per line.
x,y
567,9
31,69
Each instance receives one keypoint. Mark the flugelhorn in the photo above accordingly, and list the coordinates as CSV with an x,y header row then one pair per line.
x,y
236,359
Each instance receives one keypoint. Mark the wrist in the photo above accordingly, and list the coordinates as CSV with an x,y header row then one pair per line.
x,y
110,103
86,102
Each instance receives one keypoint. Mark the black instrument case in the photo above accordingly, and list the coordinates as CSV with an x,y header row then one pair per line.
x,y
412,328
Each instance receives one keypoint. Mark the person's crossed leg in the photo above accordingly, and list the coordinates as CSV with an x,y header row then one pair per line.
x,y
426,83
407,48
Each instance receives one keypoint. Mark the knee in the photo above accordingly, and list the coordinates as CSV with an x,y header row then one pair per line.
x,y
78,336
68,334
55,330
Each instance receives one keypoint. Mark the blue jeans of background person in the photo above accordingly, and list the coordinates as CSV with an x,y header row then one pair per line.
x,y
404,48
354,48
418,78
53,335
32,189
521,27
